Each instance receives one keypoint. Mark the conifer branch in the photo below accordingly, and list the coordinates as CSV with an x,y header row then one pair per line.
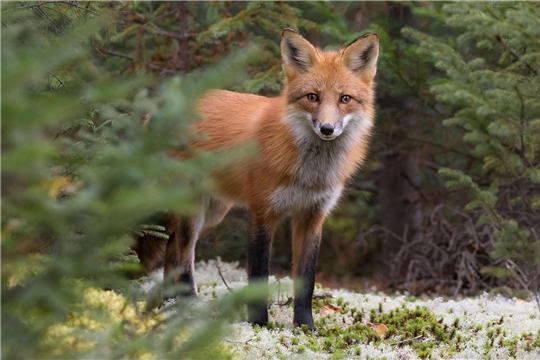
x,y
164,32
512,51
131,58
74,4
432,143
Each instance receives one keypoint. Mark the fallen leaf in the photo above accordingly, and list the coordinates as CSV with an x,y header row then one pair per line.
x,y
529,338
328,309
380,329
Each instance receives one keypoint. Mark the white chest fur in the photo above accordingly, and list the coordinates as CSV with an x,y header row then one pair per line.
x,y
295,197
319,168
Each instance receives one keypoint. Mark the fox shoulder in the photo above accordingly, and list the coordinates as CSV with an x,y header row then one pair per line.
x,y
229,106
229,118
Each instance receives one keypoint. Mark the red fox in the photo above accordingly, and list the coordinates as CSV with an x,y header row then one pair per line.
x,y
310,141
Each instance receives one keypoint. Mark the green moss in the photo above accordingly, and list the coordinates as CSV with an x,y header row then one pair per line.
x,y
342,335
424,353
403,324
272,325
338,355
511,344
305,329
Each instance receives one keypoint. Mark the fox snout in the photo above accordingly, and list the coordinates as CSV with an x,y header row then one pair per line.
x,y
328,129
327,119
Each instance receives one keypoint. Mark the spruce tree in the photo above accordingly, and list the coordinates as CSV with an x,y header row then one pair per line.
x,y
81,169
491,81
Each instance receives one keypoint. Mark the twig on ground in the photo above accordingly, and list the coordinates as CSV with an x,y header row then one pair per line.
x,y
287,302
323,296
223,279
238,342
278,302
242,342
407,340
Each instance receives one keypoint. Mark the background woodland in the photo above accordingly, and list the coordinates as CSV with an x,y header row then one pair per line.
x,y
447,203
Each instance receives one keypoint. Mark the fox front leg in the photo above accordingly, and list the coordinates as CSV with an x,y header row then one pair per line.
x,y
260,240
307,231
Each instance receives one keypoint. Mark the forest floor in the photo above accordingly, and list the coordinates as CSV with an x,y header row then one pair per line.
x,y
376,325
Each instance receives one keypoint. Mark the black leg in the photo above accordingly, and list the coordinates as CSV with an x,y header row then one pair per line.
x,y
260,239
304,284
307,230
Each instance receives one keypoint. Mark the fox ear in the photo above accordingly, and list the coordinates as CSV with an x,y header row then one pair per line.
x,y
361,56
297,53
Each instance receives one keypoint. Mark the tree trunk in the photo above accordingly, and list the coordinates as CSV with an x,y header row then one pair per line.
x,y
398,183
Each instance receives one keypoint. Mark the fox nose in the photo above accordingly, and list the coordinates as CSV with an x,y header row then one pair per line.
x,y
327,129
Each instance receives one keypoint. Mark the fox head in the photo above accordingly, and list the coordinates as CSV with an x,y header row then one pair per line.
x,y
327,91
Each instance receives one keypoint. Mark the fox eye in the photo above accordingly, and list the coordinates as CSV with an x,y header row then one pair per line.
x,y
345,99
312,97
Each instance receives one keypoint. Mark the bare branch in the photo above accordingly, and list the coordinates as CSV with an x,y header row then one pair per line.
x,y
289,300
407,340
60,81
74,4
29,6
223,279
163,32
325,295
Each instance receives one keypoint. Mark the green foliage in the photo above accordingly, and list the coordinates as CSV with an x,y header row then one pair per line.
x,y
203,33
492,83
81,168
